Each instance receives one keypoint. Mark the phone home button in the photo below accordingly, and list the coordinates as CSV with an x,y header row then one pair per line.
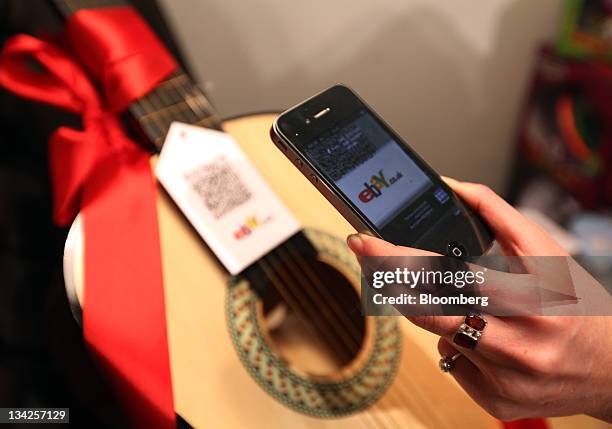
x,y
456,250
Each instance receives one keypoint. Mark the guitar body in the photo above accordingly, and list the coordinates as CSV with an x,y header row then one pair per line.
x,y
234,364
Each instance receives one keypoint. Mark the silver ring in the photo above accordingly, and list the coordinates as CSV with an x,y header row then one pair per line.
x,y
447,363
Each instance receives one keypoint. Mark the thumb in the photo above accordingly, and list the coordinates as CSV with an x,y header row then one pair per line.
x,y
366,245
515,233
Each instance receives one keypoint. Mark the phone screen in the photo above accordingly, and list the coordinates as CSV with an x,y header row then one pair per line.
x,y
376,173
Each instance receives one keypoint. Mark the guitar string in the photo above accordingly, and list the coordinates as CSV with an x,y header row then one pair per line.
x,y
279,286
153,100
299,303
400,395
310,272
296,273
293,301
280,291
326,296
400,398
326,312
356,342
392,396
372,416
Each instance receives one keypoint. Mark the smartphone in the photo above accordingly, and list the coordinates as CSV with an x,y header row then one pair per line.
x,y
373,178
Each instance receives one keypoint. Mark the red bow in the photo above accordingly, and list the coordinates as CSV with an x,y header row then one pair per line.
x,y
75,155
101,173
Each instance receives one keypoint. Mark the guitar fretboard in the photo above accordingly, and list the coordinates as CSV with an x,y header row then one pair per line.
x,y
177,98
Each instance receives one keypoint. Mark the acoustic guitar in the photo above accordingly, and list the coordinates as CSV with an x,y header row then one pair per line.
x,y
241,357
283,344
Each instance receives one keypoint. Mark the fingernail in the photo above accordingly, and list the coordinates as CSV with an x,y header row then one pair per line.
x,y
449,180
355,243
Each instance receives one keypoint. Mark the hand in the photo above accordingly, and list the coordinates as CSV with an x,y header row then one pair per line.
x,y
523,366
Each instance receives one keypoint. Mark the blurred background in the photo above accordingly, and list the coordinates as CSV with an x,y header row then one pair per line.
x,y
450,76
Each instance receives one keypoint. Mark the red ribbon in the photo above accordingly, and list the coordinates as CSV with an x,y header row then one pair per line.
x,y
526,424
119,50
105,176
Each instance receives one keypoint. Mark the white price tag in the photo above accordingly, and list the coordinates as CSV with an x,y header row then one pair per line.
x,y
222,195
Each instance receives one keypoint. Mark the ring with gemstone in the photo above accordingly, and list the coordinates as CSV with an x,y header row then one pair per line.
x,y
447,363
470,331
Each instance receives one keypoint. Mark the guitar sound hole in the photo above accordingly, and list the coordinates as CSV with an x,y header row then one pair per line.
x,y
315,324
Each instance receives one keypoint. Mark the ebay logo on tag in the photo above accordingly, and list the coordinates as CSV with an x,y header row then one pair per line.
x,y
250,224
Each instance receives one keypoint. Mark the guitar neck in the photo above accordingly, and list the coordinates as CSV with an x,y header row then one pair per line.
x,y
177,98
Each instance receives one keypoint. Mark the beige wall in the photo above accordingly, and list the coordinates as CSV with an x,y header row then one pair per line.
x,y
449,75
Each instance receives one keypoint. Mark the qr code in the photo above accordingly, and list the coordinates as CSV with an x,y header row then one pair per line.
x,y
219,187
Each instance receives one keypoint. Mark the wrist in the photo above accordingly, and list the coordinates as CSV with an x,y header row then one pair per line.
x,y
602,377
